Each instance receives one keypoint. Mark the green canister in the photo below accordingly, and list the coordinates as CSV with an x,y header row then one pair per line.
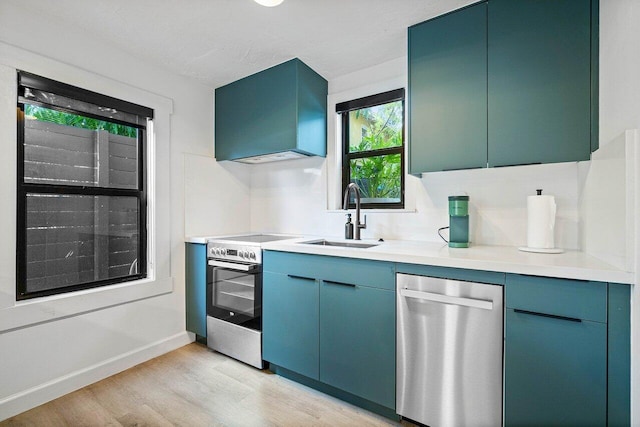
x,y
458,221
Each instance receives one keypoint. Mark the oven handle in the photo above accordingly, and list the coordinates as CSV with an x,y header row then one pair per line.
x,y
232,265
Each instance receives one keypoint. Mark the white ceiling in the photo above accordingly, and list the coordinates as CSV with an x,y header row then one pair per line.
x,y
219,41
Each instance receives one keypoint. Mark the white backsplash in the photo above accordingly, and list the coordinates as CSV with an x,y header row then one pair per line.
x,y
291,197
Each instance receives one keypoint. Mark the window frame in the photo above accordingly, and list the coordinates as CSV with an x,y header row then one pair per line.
x,y
343,110
25,188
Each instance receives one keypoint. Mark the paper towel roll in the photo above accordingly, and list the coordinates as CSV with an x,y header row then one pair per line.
x,y
541,221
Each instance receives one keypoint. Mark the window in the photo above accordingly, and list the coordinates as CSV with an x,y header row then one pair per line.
x,y
373,149
81,208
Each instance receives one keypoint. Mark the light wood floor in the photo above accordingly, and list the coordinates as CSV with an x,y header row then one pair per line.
x,y
193,386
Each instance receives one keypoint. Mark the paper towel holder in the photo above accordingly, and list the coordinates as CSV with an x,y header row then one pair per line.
x,y
541,250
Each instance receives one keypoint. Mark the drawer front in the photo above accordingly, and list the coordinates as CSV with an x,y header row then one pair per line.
x,y
576,299
376,274
492,277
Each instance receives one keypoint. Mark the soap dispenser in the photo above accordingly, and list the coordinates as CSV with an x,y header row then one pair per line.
x,y
348,228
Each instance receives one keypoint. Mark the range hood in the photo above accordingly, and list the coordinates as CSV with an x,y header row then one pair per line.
x,y
277,114
273,157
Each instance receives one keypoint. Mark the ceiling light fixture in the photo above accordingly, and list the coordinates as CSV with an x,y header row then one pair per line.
x,y
269,3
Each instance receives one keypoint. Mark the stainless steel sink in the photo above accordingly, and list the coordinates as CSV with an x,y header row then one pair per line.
x,y
323,242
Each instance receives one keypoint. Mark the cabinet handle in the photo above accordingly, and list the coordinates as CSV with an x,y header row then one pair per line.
x,y
331,282
552,316
301,277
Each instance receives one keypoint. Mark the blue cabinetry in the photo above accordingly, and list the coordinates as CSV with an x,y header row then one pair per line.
x,y
329,322
448,91
283,108
555,352
504,82
333,320
619,356
196,288
290,316
357,340
539,69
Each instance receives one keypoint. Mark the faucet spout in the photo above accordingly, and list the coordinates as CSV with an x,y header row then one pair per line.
x,y
345,205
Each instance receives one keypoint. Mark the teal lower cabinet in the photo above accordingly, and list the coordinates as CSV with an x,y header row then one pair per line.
x,y
619,355
329,323
357,341
555,352
196,289
290,313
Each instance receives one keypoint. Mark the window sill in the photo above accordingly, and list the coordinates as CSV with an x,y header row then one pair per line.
x,y
46,309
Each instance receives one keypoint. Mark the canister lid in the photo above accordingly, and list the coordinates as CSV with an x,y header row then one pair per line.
x,y
456,198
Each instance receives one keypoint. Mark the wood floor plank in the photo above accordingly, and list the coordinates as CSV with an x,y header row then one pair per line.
x,y
194,386
144,416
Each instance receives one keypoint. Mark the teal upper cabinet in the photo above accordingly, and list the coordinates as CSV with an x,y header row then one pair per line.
x,y
278,110
448,91
539,81
502,83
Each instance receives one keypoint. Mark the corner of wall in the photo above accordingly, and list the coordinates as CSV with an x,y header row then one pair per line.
x,y
608,201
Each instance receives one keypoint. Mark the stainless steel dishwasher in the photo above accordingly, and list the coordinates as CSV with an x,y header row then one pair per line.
x,y
449,352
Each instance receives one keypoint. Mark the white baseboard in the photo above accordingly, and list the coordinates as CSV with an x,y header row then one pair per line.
x,y
35,396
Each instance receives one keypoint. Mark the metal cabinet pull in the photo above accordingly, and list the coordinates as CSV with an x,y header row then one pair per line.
x,y
447,299
331,282
552,316
291,276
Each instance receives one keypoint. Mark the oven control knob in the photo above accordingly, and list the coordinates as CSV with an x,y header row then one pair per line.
x,y
242,254
252,255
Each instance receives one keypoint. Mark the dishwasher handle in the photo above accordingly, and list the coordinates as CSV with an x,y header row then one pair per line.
x,y
446,299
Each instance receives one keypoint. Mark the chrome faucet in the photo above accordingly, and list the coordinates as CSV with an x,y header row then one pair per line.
x,y
358,225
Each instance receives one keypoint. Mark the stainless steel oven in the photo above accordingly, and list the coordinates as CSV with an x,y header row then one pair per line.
x,y
234,293
234,296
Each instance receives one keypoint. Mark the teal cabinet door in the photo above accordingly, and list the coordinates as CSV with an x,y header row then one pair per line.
x,y
196,288
290,316
539,81
555,371
357,340
448,91
283,108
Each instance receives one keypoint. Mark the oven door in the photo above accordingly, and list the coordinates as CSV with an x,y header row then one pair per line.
x,y
234,293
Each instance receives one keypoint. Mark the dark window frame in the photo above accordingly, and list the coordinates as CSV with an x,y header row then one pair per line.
x,y
23,188
371,101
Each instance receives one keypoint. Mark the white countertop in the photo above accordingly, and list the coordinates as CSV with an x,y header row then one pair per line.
x,y
508,259
198,239
569,265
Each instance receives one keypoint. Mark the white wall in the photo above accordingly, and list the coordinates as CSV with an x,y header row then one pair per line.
x,y
125,324
302,196
216,196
